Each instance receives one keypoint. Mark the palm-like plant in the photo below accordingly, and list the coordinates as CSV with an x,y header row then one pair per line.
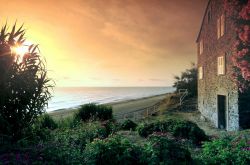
x,y
24,86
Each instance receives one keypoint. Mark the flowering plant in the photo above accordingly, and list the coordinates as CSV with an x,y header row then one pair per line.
x,y
239,11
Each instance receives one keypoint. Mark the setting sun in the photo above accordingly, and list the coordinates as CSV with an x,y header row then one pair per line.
x,y
20,50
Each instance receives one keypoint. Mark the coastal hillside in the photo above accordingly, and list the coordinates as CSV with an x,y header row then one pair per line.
x,y
175,134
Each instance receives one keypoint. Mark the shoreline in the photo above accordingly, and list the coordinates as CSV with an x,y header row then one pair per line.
x,y
117,106
136,99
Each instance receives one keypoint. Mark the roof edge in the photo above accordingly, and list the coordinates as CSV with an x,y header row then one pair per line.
x,y
203,19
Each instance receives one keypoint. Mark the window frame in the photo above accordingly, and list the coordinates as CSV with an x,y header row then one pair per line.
x,y
200,73
221,25
221,65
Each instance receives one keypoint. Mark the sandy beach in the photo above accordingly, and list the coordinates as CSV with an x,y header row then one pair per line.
x,y
118,107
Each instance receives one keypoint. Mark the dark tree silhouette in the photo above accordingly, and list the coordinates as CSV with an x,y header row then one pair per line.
x,y
187,80
24,86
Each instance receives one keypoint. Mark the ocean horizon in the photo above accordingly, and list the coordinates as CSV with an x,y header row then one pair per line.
x,y
71,97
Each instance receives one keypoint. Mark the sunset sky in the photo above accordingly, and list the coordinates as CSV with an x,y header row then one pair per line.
x,y
110,42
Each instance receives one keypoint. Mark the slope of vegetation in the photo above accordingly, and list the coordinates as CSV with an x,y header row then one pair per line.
x,y
103,142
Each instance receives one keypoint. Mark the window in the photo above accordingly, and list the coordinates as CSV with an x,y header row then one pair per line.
x,y
201,46
221,26
221,65
200,73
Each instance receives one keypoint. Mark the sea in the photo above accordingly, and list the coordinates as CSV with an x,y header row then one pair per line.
x,y
72,97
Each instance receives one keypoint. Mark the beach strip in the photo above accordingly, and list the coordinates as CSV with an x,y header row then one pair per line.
x,y
118,107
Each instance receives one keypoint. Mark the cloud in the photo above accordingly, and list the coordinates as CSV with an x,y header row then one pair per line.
x,y
113,39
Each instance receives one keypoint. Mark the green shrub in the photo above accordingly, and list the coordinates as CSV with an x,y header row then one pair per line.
x,y
226,150
113,150
161,150
128,125
46,121
37,133
82,134
178,128
40,130
65,146
68,122
145,129
94,112
43,153
111,126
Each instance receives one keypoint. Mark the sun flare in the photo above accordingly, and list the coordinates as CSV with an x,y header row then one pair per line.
x,y
21,50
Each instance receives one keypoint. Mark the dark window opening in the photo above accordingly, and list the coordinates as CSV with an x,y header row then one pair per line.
x,y
222,124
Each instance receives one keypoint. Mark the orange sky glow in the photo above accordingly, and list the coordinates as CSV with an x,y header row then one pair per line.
x,y
110,42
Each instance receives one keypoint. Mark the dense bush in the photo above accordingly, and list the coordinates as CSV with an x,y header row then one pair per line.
x,y
43,153
161,150
113,150
94,112
64,146
24,86
128,125
68,122
81,135
178,128
226,150
118,150
111,126
46,121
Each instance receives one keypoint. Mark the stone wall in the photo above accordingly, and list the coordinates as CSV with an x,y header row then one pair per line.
x,y
212,84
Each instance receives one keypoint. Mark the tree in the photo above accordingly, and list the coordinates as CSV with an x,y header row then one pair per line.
x,y
24,85
187,80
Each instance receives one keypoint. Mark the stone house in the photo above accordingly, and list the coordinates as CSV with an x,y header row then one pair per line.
x,y
218,97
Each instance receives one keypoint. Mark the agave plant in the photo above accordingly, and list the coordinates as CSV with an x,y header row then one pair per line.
x,y
24,85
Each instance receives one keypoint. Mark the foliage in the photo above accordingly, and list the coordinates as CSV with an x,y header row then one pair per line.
x,y
94,112
68,122
128,125
239,12
226,150
187,80
178,128
118,150
64,146
43,153
113,150
46,121
160,149
24,86
111,126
